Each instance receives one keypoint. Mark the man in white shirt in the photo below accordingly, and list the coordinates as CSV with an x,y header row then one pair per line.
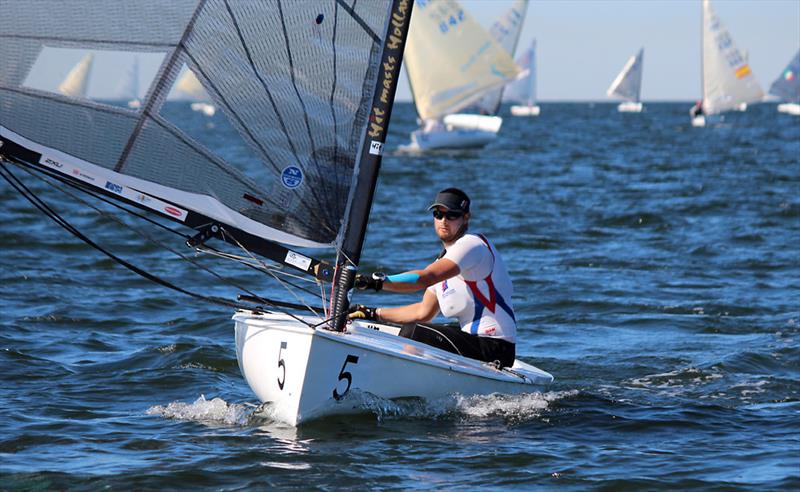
x,y
468,282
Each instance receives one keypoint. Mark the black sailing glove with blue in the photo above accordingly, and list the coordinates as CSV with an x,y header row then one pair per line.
x,y
374,282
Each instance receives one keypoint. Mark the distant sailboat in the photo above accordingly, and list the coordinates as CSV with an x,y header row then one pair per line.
x,y
77,80
129,86
628,85
505,31
451,65
189,88
727,79
787,87
523,90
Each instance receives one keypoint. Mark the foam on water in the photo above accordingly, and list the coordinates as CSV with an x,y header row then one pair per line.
x,y
215,410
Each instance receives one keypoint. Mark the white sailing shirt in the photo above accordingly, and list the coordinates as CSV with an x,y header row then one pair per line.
x,y
480,296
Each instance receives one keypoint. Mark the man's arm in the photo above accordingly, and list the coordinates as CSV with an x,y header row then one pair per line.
x,y
425,310
435,272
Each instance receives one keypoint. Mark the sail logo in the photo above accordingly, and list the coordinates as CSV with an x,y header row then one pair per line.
x,y
292,177
53,163
173,211
375,147
114,187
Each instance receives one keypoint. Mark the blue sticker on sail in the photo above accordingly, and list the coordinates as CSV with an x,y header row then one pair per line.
x,y
292,177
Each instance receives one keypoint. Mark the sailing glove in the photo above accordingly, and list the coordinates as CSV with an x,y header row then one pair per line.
x,y
360,311
364,282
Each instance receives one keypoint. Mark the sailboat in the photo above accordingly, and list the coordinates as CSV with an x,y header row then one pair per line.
x,y
787,87
628,85
189,88
452,63
505,31
77,80
128,89
308,91
728,80
523,90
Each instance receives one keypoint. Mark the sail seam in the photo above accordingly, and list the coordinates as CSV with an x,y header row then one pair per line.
x,y
87,40
351,11
69,101
285,131
150,101
320,206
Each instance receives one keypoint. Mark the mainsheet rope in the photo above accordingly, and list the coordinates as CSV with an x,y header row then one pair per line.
x,y
42,206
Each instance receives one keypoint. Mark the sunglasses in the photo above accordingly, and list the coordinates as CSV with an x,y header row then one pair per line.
x,y
450,215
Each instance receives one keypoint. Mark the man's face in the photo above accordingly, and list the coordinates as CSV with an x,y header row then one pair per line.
x,y
448,223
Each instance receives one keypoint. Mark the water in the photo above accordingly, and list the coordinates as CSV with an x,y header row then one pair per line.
x,y
657,277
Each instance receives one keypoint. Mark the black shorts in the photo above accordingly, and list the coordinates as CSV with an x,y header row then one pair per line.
x,y
452,339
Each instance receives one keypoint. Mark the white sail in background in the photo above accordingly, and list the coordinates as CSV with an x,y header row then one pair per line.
x,y
190,89
628,84
505,31
128,89
451,60
728,80
523,90
77,79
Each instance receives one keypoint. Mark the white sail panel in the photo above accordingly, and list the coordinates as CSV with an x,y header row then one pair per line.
x,y
628,84
523,89
787,85
128,88
451,60
77,80
189,88
505,31
728,80
294,80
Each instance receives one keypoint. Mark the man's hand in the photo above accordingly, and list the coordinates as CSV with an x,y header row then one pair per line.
x,y
364,282
360,311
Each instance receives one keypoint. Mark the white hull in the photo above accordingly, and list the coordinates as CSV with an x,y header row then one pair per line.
x,y
630,107
741,107
525,110
205,108
699,120
457,131
789,108
306,373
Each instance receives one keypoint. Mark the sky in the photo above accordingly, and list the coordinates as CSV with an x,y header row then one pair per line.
x,y
583,44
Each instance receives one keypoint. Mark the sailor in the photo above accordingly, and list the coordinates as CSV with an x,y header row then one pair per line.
x,y
468,282
697,109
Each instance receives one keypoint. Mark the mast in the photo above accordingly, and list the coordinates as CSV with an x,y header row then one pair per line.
x,y
369,160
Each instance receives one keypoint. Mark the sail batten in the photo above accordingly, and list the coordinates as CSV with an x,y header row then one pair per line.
x,y
293,80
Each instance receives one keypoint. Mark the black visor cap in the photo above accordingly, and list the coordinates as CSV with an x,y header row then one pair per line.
x,y
451,199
